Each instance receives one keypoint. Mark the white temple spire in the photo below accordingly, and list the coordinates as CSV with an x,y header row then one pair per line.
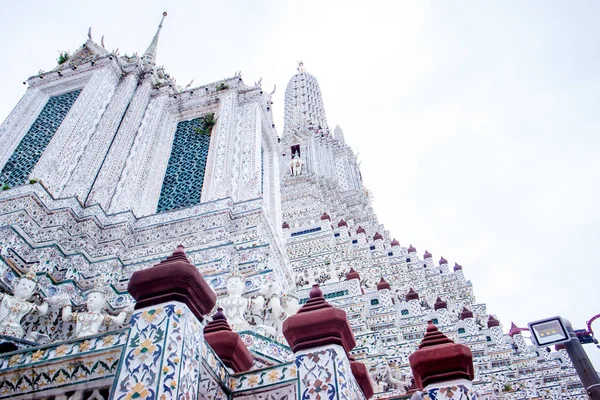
x,y
150,55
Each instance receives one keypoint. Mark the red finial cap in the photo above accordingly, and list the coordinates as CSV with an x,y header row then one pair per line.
x,y
228,345
427,255
360,229
318,323
443,261
325,216
383,285
173,279
457,267
439,359
492,322
352,274
395,243
377,236
514,330
411,295
411,249
439,303
285,225
342,223
466,313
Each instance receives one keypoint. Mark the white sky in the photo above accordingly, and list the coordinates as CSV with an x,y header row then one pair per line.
x,y
476,122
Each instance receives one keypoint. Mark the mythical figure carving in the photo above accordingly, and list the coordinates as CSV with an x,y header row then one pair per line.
x,y
234,305
89,322
296,165
14,308
387,379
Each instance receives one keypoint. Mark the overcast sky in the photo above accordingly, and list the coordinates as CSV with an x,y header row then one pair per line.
x,y
477,123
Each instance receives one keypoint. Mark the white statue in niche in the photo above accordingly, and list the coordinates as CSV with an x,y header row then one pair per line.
x,y
296,165
89,322
234,305
14,308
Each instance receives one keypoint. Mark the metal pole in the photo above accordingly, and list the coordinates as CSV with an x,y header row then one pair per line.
x,y
583,366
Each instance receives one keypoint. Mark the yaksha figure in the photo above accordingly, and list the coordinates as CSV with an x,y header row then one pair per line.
x,y
234,305
14,308
296,165
89,323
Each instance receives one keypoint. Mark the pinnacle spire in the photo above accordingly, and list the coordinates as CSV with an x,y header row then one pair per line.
x,y
150,54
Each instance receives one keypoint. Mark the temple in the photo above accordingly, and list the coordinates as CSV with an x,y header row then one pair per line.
x,y
160,242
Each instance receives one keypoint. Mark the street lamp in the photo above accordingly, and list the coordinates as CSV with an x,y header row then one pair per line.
x,y
557,330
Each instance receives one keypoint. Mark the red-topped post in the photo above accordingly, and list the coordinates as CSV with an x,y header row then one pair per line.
x,y
321,338
163,354
441,368
228,345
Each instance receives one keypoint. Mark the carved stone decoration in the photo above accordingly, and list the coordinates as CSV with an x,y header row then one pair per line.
x,y
89,322
14,308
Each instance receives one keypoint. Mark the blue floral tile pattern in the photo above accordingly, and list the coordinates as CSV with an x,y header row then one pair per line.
x,y
182,185
20,164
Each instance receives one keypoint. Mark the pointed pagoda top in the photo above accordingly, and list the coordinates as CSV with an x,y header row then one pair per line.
x,y
150,55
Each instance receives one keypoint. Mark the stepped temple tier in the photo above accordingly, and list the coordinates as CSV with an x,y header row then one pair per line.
x,y
159,242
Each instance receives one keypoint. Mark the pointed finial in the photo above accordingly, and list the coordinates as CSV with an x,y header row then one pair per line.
x,y
102,42
90,33
150,54
300,67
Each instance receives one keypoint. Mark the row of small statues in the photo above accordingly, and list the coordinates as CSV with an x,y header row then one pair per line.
x,y
266,311
16,306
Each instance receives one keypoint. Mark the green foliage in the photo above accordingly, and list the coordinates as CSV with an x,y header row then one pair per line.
x,y
222,86
507,388
208,121
32,181
6,186
63,57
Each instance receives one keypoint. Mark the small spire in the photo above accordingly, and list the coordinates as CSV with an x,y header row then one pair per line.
x,y
150,54
300,67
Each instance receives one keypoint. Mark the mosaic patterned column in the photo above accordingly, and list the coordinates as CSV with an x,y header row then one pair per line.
x,y
450,390
325,373
163,355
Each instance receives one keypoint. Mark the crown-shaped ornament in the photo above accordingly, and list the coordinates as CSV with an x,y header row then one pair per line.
x,y
99,286
31,274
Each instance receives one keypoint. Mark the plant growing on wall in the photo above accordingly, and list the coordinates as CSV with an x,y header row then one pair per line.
x,y
222,86
6,186
63,57
208,121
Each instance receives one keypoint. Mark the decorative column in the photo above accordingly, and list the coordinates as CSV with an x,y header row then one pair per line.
x,y
467,316
163,355
321,338
383,292
361,234
442,368
378,240
412,298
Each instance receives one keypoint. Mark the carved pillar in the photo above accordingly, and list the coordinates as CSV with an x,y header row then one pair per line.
x,y
77,129
442,368
321,338
90,161
162,358
109,175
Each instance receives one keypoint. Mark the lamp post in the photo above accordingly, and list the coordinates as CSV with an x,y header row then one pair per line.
x,y
559,331
583,365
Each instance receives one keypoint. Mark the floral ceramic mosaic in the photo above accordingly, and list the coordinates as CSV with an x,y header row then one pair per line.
x,y
37,369
162,356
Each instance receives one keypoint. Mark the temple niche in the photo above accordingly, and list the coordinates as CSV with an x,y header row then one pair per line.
x,y
160,241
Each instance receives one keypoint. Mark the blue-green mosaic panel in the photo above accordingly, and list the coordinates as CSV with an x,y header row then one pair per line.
x,y
182,185
20,164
